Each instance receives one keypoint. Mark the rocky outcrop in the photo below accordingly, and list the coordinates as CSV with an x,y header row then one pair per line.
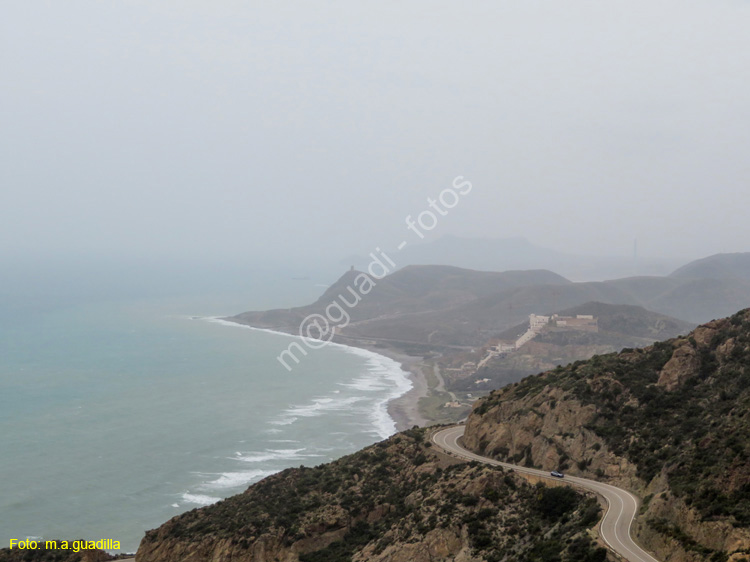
x,y
265,549
547,430
683,365
678,534
437,544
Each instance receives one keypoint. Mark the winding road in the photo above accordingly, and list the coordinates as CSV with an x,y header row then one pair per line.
x,y
622,506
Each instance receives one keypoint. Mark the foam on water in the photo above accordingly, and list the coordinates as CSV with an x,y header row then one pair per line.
x,y
318,407
283,421
384,376
273,455
237,479
384,373
198,499
224,420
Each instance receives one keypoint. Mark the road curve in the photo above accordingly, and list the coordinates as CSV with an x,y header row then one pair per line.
x,y
622,506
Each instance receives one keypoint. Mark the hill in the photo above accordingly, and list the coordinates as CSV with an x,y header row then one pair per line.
x,y
476,321
442,307
619,326
719,266
671,421
407,295
621,320
500,254
396,501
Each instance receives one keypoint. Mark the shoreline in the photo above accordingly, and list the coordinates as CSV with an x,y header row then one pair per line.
x,y
403,409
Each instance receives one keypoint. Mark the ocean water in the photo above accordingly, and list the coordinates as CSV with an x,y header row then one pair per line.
x,y
117,415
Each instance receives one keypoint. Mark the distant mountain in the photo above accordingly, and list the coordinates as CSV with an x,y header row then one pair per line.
x,y
719,266
472,323
701,300
487,254
670,422
439,306
414,291
479,253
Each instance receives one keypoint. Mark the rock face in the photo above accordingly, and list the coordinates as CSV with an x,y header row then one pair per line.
x,y
266,549
670,422
397,501
683,364
548,431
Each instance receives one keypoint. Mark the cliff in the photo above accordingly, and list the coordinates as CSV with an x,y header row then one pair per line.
x,y
670,421
396,501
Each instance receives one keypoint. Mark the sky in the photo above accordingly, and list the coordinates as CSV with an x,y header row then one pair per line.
x,y
252,131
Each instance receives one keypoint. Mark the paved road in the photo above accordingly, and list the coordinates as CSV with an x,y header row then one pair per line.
x,y
622,505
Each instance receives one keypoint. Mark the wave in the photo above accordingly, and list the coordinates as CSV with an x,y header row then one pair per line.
x,y
274,455
383,375
283,421
237,479
318,407
199,499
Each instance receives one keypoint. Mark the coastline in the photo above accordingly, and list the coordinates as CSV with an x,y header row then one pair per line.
x,y
402,409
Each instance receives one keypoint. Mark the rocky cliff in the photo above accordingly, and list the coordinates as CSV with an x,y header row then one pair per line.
x,y
670,421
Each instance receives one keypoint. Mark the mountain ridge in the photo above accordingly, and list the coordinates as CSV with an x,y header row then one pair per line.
x,y
734,265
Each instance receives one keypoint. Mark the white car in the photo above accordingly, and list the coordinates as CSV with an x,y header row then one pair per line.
x,y
557,474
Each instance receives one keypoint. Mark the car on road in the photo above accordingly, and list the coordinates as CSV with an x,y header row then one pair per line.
x,y
557,474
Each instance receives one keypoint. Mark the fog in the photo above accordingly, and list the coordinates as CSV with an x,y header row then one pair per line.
x,y
270,132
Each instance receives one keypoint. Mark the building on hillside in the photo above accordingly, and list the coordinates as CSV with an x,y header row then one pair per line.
x,y
583,322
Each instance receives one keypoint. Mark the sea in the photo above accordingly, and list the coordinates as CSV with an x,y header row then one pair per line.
x,y
120,409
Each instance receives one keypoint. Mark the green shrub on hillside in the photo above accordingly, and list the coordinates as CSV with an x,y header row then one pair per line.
x,y
395,493
698,433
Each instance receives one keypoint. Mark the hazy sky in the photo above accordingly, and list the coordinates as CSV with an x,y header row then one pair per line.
x,y
242,129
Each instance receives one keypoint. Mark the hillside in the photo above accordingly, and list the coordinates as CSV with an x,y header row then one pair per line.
x,y
43,554
441,307
719,266
671,421
620,326
619,320
405,296
396,501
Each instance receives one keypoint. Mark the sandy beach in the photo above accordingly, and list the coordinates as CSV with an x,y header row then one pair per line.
x,y
408,410
405,409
